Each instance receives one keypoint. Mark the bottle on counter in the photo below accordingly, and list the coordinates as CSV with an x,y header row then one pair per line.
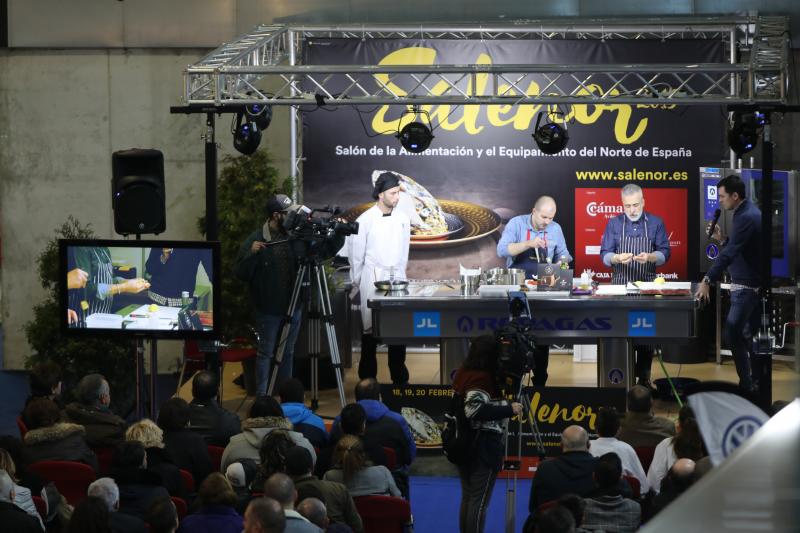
x,y
563,262
186,299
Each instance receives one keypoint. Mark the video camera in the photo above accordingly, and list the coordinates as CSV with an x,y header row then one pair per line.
x,y
517,342
303,225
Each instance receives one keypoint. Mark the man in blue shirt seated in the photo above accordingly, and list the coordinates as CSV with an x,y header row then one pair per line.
x,y
741,256
303,419
527,241
633,245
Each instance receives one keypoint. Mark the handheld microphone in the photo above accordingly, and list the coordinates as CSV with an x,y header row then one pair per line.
x,y
717,213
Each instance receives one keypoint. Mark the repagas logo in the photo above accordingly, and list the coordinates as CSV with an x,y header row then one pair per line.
x,y
601,208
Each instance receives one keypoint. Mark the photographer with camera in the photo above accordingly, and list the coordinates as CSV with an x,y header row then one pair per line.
x,y
268,262
477,382
379,249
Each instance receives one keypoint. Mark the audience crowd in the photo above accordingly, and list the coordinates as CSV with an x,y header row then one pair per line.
x,y
198,468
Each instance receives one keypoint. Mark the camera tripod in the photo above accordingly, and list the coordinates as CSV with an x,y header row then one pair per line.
x,y
514,466
311,271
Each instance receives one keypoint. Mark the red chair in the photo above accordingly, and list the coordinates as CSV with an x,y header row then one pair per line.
x,y
71,478
238,350
645,454
41,506
21,427
104,456
636,486
191,355
215,453
188,481
180,506
384,514
391,458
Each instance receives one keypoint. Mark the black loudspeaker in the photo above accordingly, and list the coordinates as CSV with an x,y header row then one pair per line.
x,y
137,191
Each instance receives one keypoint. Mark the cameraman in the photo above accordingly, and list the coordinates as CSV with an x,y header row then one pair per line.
x,y
477,380
270,272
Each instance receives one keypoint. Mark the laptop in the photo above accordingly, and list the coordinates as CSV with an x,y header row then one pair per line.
x,y
552,278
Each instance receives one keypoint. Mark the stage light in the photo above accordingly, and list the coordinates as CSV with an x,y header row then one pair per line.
x,y
261,114
744,131
415,136
246,135
551,138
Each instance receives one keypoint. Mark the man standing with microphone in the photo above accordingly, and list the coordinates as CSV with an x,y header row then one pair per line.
x,y
741,256
633,245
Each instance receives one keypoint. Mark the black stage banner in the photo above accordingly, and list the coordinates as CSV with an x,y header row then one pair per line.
x,y
554,408
483,167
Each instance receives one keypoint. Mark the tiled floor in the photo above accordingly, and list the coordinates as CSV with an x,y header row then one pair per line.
x,y
424,368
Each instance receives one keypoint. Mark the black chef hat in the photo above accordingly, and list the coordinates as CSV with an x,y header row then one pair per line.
x,y
385,181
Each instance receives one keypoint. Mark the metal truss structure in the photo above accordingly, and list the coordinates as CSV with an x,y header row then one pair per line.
x,y
239,72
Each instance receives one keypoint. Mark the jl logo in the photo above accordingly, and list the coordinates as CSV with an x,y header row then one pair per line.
x,y
641,324
427,324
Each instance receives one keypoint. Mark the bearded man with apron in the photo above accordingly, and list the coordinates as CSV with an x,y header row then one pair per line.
x,y
633,245
377,252
527,241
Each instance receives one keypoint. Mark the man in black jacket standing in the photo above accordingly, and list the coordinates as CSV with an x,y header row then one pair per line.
x,y
269,267
741,256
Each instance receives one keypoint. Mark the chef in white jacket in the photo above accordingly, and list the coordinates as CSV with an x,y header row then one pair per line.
x,y
378,252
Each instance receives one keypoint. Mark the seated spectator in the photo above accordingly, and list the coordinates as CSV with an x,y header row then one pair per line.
x,y
103,428
281,488
384,427
556,520
570,472
272,455
159,460
352,421
314,511
338,501
188,449
607,509
607,426
206,417
680,477
23,497
264,515
90,516
304,420
687,444
48,439
265,415
30,480
162,516
639,427
138,487
576,506
107,490
352,469
45,382
241,475
12,517
217,513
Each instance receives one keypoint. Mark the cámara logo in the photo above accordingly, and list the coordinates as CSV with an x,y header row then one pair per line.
x,y
594,208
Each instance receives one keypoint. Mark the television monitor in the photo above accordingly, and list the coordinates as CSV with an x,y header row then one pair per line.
x,y
163,289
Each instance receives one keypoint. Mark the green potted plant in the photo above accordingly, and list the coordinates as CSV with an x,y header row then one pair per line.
x,y
77,356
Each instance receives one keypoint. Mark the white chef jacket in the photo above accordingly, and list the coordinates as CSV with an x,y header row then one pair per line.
x,y
381,243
